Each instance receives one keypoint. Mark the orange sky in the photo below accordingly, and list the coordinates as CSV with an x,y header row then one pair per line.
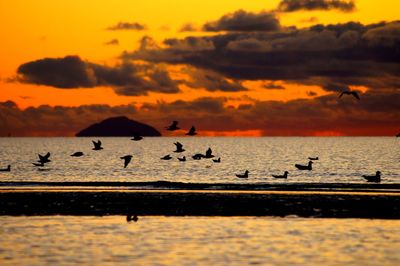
x,y
36,29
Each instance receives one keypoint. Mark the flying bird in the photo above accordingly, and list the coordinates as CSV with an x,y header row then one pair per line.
x,y
198,156
354,93
77,154
192,131
137,138
373,178
8,169
166,157
313,158
217,160
179,147
209,154
97,145
173,126
127,159
304,167
285,174
183,159
245,175
44,158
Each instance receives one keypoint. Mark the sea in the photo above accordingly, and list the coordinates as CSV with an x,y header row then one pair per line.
x,y
198,240
341,159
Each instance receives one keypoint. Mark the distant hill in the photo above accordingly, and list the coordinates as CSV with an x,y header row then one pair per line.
x,y
120,126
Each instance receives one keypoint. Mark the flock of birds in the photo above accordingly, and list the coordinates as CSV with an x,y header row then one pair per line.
x,y
97,146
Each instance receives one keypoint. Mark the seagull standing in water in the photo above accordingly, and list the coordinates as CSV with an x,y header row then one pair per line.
x,y
245,175
8,169
127,159
373,178
217,160
173,126
285,174
304,167
353,93
191,132
97,145
77,154
179,147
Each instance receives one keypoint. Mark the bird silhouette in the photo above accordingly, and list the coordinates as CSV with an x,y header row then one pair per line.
x,y
313,158
130,218
77,154
304,167
173,126
285,174
97,145
192,131
183,159
137,138
198,156
40,164
7,169
179,147
166,157
217,160
209,154
245,175
127,159
44,158
373,178
354,93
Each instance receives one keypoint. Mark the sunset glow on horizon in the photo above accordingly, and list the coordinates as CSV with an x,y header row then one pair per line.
x,y
232,68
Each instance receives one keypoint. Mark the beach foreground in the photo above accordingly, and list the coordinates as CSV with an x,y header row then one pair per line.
x,y
333,201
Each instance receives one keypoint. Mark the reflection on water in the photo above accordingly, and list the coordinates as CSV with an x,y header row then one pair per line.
x,y
342,160
197,241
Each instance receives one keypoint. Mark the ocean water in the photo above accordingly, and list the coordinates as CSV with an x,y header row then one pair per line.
x,y
153,240
341,159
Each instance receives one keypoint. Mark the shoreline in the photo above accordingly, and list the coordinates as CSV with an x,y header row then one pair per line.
x,y
313,204
168,185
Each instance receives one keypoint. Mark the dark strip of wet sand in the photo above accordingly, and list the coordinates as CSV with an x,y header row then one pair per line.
x,y
202,203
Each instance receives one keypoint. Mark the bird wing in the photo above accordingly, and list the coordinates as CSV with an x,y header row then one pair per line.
x,y
340,96
178,145
47,155
355,94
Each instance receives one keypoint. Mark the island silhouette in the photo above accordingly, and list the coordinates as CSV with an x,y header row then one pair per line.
x,y
119,126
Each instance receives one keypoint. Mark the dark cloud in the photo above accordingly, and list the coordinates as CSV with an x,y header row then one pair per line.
x,y
212,81
331,56
376,114
72,72
244,21
296,5
112,42
128,26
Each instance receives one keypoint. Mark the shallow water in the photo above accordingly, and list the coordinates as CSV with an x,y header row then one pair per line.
x,y
153,240
342,159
